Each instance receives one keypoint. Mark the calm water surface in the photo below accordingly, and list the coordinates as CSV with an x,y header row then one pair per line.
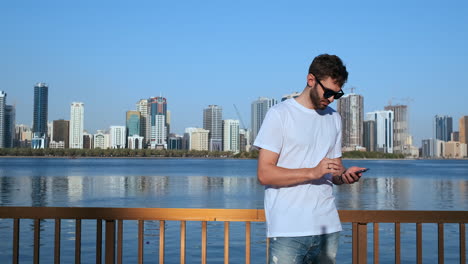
x,y
217,183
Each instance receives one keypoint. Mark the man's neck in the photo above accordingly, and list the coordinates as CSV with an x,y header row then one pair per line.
x,y
304,99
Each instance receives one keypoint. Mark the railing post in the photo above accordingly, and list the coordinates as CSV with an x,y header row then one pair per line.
x,y
16,233
37,240
110,242
359,243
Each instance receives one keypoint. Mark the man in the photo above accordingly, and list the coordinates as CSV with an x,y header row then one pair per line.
x,y
299,161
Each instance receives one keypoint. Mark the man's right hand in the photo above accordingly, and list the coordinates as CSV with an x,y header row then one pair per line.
x,y
327,166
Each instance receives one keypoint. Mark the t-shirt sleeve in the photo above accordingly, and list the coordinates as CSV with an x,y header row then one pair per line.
x,y
336,152
270,136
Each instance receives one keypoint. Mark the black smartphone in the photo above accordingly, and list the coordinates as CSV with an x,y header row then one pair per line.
x,y
363,170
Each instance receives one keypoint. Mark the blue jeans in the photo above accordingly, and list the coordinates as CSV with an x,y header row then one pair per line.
x,y
304,250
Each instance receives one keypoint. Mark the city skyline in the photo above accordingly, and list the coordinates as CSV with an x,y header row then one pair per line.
x,y
160,107
383,131
109,55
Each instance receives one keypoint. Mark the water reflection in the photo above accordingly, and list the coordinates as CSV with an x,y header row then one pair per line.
x,y
403,194
390,185
222,192
133,191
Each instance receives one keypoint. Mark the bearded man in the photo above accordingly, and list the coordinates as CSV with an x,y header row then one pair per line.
x,y
299,162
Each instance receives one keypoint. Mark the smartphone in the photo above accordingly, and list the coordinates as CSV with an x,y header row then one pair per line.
x,y
363,170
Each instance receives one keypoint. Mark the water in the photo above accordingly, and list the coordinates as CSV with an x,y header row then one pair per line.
x,y
218,183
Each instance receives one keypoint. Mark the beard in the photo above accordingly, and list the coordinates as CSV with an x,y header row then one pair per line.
x,y
316,99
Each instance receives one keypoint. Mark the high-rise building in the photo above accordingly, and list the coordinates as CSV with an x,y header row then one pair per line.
x,y
41,106
76,125
3,96
259,109
7,122
401,135
87,140
142,107
455,150
427,147
50,132
168,124
133,123
101,140
61,130
186,137
433,148
351,109
135,142
369,135
157,114
213,122
197,138
463,129
243,140
175,142
384,127
231,141
117,134
443,127
23,136
455,136
10,118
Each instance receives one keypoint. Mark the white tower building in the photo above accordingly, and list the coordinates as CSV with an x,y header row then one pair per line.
x,y
213,122
117,136
2,118
158,132
231,140
76,125
384,129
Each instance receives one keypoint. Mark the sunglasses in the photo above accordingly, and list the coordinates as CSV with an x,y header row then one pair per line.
x,y
327,93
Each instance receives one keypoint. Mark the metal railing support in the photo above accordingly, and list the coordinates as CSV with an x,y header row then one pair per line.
x,y
359,243
110,242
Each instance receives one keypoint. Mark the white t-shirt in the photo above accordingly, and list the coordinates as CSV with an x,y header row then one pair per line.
x,y
302,137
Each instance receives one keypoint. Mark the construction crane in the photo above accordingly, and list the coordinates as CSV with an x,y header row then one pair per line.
x,y
240,118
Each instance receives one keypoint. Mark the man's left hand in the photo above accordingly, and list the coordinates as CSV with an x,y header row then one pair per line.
x,y
351,175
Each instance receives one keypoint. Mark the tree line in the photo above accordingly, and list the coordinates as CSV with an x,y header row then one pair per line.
x,y
168,153
371,155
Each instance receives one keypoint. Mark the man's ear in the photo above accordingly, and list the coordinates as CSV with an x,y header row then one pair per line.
x,y
310,77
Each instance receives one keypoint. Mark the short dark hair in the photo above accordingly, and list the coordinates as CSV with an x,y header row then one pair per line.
x,y
326,65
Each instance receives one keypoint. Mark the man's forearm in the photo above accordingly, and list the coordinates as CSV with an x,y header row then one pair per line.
x,y
277,176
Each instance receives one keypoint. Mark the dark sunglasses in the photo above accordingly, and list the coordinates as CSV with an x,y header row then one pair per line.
x,y
327,93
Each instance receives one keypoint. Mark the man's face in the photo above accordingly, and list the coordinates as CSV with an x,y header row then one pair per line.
x,y
318,90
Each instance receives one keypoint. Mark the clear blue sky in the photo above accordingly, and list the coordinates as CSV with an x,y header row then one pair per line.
x,y
110,54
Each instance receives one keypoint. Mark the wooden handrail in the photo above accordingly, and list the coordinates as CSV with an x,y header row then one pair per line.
x,y
232,215
168,214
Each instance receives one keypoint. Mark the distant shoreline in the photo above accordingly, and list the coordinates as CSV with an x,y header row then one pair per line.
x,y
217,158
66,157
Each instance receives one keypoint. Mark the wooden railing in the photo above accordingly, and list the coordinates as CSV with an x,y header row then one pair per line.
x,y
114,217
